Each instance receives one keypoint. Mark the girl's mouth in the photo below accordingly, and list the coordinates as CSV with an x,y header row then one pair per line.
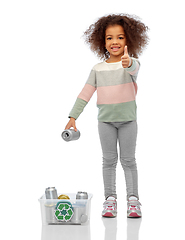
x,y
115,49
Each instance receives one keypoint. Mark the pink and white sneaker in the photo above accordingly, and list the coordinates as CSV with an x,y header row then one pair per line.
x,y
133,210
110,207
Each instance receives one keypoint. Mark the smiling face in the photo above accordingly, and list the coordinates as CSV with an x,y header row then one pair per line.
x,y
115,42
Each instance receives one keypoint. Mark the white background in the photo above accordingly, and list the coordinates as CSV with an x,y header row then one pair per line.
x,y
44,64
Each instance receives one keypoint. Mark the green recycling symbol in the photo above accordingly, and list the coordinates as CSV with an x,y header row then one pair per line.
x,y
64,211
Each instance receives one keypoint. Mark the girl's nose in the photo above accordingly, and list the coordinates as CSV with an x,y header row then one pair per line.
x,y
114,41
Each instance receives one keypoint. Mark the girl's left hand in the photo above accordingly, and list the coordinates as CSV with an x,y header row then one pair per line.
x,y
126,60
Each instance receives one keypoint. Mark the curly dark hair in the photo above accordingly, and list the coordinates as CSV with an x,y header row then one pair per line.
x,y
135,32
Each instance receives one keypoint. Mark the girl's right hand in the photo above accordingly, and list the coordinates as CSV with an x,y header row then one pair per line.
x,y
71,123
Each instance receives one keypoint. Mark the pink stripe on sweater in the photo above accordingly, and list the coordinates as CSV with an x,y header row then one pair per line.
x,y
87,92
116,94
135,86
136,70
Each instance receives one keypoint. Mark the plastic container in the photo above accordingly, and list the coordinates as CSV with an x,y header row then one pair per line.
x,y
64,211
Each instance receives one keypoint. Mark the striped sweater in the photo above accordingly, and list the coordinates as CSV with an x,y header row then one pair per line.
x,y
116,91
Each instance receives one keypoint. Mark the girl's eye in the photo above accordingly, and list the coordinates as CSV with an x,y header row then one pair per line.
x,y
109,38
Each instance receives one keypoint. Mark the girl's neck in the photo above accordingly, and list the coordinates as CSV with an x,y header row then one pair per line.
x,y
110,61
113,60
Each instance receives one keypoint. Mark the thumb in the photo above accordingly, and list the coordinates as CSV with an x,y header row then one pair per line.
x,y
125,51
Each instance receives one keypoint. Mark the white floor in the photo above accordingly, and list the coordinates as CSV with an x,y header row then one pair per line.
x,y
105,228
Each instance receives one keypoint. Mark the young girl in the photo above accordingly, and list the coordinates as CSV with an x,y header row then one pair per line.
x,y
118,40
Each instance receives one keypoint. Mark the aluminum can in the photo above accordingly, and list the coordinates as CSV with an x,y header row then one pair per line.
x,y
70,135
80,215
49,212
63,196
81,195
51,193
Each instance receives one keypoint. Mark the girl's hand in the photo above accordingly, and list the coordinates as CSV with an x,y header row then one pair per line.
x,y
126,60
71,123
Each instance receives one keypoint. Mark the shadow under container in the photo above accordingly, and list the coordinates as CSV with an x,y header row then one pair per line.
x,y
65,211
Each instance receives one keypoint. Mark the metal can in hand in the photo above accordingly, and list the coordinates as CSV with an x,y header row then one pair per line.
x,y
70,135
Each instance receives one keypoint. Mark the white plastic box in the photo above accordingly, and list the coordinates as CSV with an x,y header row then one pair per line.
x,y
65,211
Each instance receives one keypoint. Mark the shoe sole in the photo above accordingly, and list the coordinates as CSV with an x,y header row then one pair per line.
x,y
109,214
133,215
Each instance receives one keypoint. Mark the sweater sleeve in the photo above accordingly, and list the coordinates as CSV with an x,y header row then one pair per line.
x,y
84,96
134,68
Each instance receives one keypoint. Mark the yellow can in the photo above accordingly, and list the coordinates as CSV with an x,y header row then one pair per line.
x,y
63,196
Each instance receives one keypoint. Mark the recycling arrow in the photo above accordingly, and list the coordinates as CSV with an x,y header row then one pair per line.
x,y
64,211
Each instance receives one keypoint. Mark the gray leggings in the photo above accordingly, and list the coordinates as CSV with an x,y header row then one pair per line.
x,y
125,133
